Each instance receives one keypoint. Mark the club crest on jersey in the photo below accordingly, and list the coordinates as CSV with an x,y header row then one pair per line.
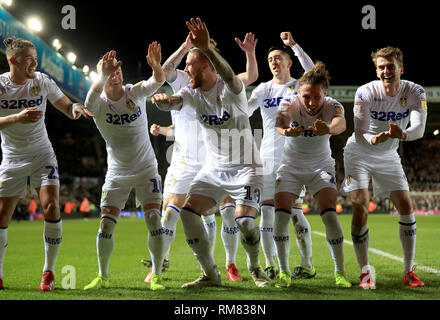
x,y
219,102
291,88
403,101
130,104
35,90
348,180
339,109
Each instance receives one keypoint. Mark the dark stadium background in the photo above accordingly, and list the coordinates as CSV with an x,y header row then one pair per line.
x,y
327,31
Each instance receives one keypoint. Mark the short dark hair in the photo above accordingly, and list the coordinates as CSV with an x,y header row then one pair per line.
x,y
283,49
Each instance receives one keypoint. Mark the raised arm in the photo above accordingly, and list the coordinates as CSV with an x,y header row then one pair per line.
x,y
175,59
154,58
109,65
305,61
248,46
199,36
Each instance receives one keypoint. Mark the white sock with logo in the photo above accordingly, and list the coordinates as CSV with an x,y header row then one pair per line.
x,y
303,237
105,242
52,237
156,239
407,234
282,238
266,229
335,237
229,233
211,229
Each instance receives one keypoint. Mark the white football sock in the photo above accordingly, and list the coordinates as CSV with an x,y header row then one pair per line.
x,y
266,230
361,238
105,242
303,237
229,233
169,220
407,233
335,237
197,239
282,238
250,239
156,239
52,237
211,229
3,245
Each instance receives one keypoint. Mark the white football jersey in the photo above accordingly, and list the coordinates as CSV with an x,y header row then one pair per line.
x,y
224,119
373,109
26,139
124,126
267,96
309,149
187,131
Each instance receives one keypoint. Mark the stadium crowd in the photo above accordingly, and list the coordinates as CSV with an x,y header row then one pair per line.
x,y
83,167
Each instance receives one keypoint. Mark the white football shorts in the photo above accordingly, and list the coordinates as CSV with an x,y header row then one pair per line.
x,y
292,179
386,173
40,170
147,185
181,176
243,184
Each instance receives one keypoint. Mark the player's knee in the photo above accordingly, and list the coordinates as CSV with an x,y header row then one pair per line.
x,y
360,207
300,230
51,208
152,215
404,207
108,223
245,224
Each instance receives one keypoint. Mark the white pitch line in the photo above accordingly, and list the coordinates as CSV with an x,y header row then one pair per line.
x,y
388,255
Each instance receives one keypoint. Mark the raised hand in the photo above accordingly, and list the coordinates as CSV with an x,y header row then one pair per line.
x,y
188,44
249,43
199,34
109,63
287,39
154,56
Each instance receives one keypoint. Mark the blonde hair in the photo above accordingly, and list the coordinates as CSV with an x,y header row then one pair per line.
x,y
388,52
318,75
203,57
14,45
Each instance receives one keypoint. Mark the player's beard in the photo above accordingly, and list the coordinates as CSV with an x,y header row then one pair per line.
x,y
196,81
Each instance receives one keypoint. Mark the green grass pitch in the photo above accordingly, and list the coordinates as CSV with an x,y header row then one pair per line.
x,y
24,262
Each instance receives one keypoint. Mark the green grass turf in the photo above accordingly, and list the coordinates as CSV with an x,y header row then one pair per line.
x,y
24,262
